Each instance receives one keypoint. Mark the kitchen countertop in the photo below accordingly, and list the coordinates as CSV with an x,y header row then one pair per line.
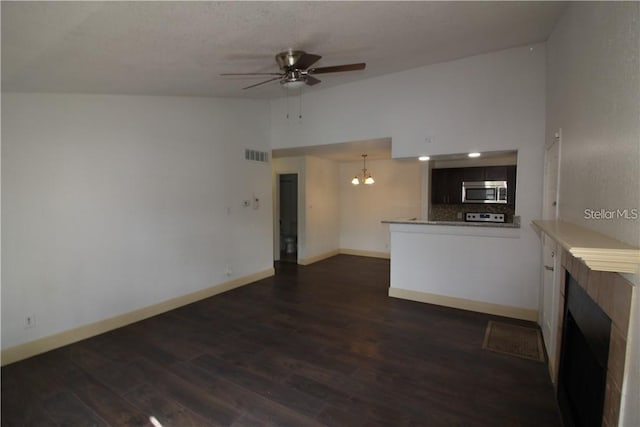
x,y
416,221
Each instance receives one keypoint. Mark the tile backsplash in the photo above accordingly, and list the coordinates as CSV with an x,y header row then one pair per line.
x,y
450,212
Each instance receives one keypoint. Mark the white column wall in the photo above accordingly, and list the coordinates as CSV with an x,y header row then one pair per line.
x,y
321,207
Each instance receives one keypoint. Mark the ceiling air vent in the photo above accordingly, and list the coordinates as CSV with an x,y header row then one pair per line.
x,y
256,156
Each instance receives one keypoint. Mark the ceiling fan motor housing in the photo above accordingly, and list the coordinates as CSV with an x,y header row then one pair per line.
x,y
286,60
294,76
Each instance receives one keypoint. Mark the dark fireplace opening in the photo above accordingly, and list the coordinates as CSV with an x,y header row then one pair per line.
x,y
583,358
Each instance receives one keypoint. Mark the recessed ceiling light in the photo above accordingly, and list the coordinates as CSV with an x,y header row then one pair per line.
x,y
423,158
474,154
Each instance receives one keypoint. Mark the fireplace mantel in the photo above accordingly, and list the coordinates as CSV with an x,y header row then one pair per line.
x,y
598,251
594,261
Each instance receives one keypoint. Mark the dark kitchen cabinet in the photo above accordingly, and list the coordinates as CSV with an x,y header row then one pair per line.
x,y
446,184
495,173
473,174
486,173
511,185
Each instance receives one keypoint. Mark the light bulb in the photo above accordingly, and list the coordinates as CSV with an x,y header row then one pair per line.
x,y
369,180
355,180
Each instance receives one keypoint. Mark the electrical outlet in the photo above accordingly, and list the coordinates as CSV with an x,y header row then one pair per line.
x,y
29,321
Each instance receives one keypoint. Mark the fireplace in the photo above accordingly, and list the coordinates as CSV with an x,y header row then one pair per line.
x,y
593,327
597,264
583,358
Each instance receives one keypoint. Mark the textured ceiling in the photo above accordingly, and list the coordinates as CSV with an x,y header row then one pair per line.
x,y
180,48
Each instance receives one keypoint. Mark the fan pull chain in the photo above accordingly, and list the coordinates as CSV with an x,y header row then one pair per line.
x,y
288,104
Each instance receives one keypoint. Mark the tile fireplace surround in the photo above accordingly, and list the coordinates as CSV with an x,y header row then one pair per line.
x,y
612,293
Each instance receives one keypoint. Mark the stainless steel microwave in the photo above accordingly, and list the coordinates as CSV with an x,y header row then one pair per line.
x,y
484,192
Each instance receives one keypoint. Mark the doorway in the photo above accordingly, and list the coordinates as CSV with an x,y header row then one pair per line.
x,y
288,219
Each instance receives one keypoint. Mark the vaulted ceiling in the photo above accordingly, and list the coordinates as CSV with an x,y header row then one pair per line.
x,y
180,48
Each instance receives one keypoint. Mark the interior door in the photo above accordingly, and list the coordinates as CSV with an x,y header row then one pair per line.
x,y
549,297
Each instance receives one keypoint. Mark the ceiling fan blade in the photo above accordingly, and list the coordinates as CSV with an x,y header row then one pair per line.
x,y
311,81
251,74
337,68
261,83
306,61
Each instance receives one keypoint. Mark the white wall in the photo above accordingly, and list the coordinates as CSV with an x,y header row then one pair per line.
x,y
113,203
475,264
487,102
593,93
321,207
396,194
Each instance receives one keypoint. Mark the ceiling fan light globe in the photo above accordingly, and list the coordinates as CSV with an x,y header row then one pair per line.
x,y
293,84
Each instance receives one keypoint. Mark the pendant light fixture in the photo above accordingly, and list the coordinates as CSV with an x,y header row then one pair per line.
x,y
366,177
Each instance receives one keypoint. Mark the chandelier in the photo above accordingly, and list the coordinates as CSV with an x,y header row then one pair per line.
x,y
366,177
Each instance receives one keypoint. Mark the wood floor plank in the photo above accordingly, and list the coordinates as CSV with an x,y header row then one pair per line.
x,y
249,421
268,406
234,373
316,345
164,409
117,376
66,409
111,407
188,394
372,411
333,416
21,404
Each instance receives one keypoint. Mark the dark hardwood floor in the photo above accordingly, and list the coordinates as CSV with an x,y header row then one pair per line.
x,y
315,345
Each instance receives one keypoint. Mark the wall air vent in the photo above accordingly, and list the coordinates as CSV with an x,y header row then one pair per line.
x,y
256,156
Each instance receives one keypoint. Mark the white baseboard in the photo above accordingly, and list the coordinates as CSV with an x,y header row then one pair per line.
x,y
311,260
465,304
41,345
358,252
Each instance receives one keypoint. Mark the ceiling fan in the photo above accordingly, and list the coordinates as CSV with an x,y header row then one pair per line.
x,y
295,72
